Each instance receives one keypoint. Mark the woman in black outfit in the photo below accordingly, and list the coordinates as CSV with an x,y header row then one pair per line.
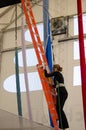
x,y
62,94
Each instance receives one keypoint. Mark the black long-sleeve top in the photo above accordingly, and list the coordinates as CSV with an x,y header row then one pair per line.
x,y
56,75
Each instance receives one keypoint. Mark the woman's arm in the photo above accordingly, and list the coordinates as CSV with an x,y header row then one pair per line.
x,y
48,74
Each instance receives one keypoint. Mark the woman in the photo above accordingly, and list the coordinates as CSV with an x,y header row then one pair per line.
x,y
62,94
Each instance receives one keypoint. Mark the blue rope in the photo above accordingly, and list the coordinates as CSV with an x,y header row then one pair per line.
x,y
18,83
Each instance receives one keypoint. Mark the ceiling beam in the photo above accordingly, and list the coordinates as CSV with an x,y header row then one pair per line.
x,y
4,3
12,21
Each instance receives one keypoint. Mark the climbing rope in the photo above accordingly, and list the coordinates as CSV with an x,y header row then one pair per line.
x,y
17,68
25,71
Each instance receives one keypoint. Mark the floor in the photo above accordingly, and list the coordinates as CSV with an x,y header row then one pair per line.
x,y
10,121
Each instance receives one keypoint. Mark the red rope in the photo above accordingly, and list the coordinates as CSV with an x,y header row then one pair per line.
x,y
82,56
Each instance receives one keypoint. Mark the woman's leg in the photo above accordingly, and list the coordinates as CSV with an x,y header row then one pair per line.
x,y
62,96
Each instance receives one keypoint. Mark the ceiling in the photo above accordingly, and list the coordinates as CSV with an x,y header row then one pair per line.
x,y
7,12
4,3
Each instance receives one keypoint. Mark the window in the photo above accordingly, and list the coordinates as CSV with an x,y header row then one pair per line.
x,y
76,69
76,49
33,78
40,30
76,76
30,56
76,24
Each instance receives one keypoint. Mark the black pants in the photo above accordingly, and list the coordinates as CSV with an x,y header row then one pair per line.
x,y
61,98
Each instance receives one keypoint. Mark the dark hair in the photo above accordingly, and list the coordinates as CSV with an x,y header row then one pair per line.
x,y
58,67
